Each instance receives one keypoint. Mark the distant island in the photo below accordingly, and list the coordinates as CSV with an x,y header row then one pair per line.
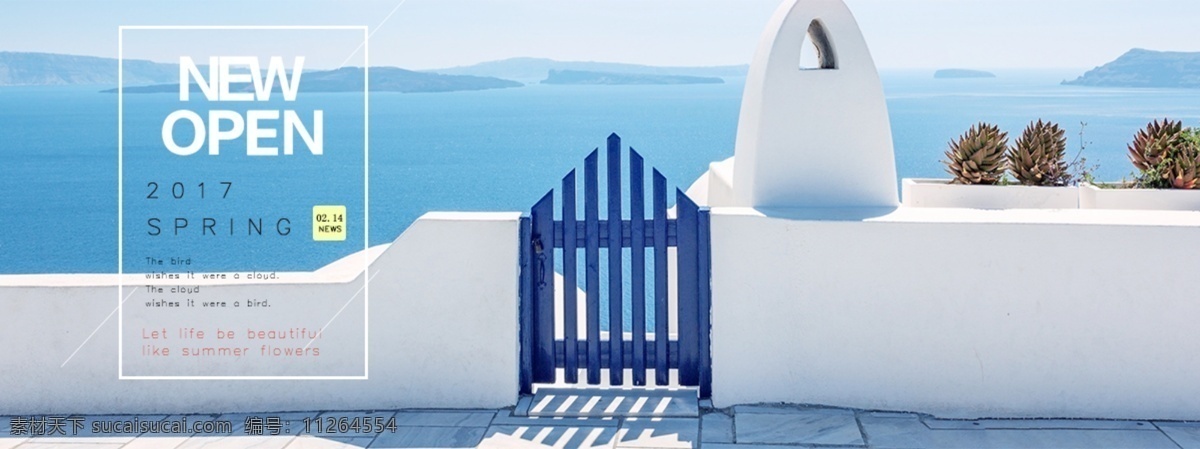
x,y
141,76
1145,68
962,73
49,69
534,70
585,77
350,79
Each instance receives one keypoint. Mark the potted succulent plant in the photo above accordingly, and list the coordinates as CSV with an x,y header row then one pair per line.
x,y
979,162
1167,157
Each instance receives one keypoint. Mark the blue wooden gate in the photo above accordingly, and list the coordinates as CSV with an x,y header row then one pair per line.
x,y
543,239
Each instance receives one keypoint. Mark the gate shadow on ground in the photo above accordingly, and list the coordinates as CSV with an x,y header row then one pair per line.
x,y
611,403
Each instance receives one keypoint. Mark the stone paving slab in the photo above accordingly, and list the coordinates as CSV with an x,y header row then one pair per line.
x,y
236,441
1017,424
1185,434
316,442
509,436
679,403
909,432
796,426
1033,439
79,445
772,409
430,437
659,433
716,428
755,426
7,441
523,405
508,418
156,442
444,418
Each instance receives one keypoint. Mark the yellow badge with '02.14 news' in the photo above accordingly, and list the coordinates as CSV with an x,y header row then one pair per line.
x,y
329,223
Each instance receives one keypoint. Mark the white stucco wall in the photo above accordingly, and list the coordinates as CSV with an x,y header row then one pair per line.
x,y
959,313
443,333
715,187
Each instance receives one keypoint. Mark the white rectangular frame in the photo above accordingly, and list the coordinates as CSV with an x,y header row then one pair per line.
x,y
121,196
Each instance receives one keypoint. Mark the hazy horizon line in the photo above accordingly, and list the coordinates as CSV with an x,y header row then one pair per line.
x,y
746,63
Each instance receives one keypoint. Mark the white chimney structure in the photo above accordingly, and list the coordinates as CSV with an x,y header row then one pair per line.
x,y
809,137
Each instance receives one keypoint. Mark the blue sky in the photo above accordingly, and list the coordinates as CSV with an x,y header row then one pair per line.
x,y
426,34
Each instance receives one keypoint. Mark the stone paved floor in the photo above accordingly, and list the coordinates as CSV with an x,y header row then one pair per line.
x,y
738,427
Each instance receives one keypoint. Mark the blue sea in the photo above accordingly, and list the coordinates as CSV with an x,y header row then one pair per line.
x,y
496,150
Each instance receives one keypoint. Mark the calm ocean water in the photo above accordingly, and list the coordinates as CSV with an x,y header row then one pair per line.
x,y
503,149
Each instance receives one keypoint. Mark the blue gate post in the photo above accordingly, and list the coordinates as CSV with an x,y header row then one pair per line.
x,y
542,263
525,287
704,262
687,216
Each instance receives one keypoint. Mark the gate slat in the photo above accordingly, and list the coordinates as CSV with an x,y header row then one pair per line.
x,y
542,218
591,218
637,268
705,290
570,283
615,296
687,251
662,318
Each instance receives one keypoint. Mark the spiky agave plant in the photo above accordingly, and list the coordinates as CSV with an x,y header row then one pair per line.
x,y
1181,165
977,157
1184,174
1151,144
1038,157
